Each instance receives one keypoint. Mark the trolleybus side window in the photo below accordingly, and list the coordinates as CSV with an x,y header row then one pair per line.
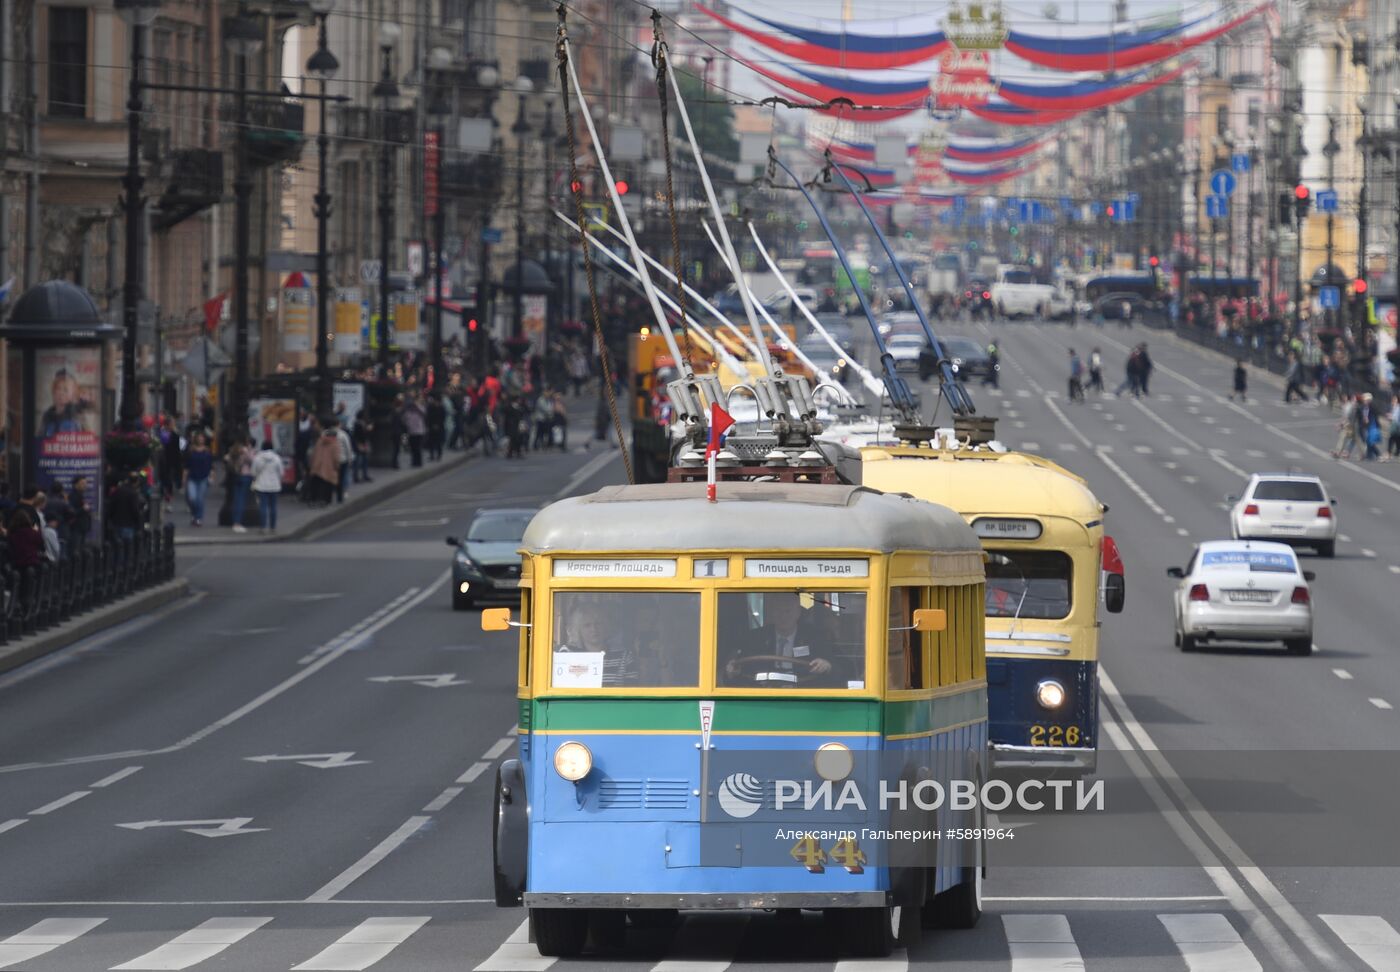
x,y
626,639
905,654
1029,584
525,638
945,641
791,639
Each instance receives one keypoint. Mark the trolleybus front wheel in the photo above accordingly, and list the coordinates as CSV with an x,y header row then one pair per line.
x,y
559,932
874,932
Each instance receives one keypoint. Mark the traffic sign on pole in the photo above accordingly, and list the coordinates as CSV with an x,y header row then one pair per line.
x,y
1326,200
1217,207
370,271
1222,182
1240,162
1329,298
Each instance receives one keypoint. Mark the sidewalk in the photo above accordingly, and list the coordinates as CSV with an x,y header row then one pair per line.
x,y
296,520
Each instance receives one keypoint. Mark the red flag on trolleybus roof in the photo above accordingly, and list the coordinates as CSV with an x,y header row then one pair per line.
x,y
720,423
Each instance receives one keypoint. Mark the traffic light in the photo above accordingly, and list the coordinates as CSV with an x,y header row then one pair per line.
x,y
1302,199
621,186
471,324
1359,287
1285,208
1153,262
1108,210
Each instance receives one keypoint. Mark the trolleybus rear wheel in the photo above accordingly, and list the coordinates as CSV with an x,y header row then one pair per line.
x,y
559,932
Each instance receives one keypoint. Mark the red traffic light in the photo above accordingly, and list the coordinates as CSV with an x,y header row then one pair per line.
x,y
1301,192
622,187
575,186
1153,261
1359,286
471,324
1109,211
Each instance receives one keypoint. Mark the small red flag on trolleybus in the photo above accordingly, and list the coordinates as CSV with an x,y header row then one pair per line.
x,y
720,422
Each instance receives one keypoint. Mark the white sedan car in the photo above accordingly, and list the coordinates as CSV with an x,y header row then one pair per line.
x,y
904,348
1243,590
1292,508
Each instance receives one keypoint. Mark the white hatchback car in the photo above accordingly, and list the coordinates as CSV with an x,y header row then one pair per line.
x,y
1243,590
1291,508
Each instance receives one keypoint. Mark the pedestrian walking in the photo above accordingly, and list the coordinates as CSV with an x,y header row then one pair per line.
x,y
172,460
578,370
238,466
1132,372
415,427
199,463
1346,429
360,436
125,510
560,432
1076,377
517,424
325,468
24,533
1096,371
1393,444
544,421
1241,381
347,456
82,511
267,485
1144,368
993,376
436,415
1293,380
1368,428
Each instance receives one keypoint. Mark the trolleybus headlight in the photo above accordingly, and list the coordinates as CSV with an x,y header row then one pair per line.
x,y
834,761
1050,693
572,761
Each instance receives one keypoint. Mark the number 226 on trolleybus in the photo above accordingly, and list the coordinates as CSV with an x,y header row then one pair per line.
x,y
681,659
1050,565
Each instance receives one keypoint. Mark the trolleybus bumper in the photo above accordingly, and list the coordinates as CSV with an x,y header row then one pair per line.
x,y
1005,756
710,902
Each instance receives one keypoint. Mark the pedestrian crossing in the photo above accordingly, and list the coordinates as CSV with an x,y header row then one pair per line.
x,y
1008,942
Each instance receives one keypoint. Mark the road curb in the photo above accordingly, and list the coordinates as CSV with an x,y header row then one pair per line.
x,y
338,512
77,628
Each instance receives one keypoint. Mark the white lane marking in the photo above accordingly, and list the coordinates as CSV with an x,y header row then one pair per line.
x,y
12,824
439,521
1030,446
516,954
1120,428
1022,393
362,867
60,803
1182,532
1291,454
1395,568
586,472
1190,480
1208,420
1255,453
1144,450
1344,538
363,945
498,749
43,937
317,760
1194,398
443,799
1372,938
226,827
443,680
1377,511
896,962
1368,552
1380,703
116,777
1169,465
1179,450
1223,431
712,943
1162,773
309,597
1041,943
1067,447
1132,484
1209,943
1018,425
1343,674
473,771
1095,897
204,941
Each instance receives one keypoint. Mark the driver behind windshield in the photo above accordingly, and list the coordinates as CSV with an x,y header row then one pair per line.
x,y
792,647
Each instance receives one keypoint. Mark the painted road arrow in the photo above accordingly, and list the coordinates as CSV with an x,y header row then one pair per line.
x,y
318,760
427,681
226,827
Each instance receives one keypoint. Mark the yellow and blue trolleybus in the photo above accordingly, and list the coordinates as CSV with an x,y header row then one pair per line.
x,y
661,633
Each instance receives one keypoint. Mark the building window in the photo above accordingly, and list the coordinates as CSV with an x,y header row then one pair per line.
x,y
68,60
1222,119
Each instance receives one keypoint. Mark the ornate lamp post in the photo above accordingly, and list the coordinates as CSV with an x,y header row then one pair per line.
x,y
523,86
243,37
322,65
139,15
386,89
439,108
1330,150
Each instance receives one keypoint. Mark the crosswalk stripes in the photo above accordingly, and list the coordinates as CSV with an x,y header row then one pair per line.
x,y
1209,943
194,946
1372,938
707,946
43,937
363,945
516,954
1041,943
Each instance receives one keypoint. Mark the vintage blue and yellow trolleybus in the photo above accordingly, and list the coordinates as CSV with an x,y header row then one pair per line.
x,y
660,635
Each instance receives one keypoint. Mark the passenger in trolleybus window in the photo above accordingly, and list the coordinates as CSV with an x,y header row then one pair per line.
x,y
626,629
795,645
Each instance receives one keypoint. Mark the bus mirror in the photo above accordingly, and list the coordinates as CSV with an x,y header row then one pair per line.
x,y
930,619
1114,591
495,619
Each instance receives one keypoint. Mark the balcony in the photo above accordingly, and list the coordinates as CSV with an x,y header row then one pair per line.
x,y
196,183
276,130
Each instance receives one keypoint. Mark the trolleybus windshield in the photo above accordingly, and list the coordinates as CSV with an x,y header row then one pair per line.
x,y
625,639
791,639
1029,584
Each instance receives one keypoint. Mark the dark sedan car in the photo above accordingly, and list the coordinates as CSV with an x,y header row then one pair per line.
x,y
969,359
1120,307
487,562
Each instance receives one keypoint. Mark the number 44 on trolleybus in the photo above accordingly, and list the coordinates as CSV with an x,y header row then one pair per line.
x,y
683,662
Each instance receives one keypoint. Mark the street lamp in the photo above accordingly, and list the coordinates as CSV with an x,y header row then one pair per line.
x,y
1330,150
1362,215
386,89
243,37
439,59
488,79
522,86
322,65
138,15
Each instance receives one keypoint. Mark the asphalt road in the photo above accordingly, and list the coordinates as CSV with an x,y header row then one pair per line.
x,y
293,769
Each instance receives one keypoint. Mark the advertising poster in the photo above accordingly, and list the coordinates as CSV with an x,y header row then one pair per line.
x,y
347,321
406,319
297,303
532,316
351,394
275,420
68,418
